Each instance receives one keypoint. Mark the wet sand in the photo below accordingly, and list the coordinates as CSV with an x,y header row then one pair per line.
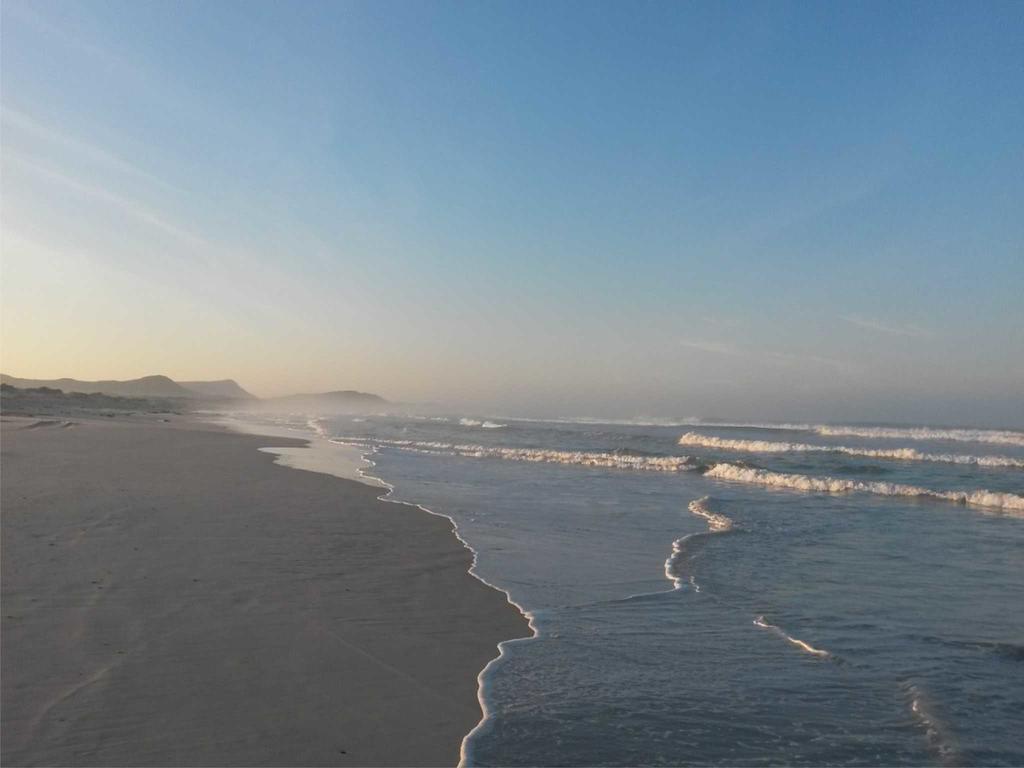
x,y
172,596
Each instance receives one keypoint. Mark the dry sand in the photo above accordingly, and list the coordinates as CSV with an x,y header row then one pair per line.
x,y
171,596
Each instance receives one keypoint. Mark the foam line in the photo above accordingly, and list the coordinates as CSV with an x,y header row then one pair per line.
x,y
805,647
485,713
316,425
997,436
896,454
717,523
538,455
1010,503
482,424
1002,437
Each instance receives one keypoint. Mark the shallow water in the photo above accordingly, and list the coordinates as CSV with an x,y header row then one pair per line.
x,y
788,626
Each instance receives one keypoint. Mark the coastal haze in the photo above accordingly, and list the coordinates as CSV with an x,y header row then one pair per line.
x,y
789,213
511,384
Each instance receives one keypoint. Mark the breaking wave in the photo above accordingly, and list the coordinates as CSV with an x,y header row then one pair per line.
x,y
1008,502
674,565
482,424
610,459
996,436
897,454
1002,437
805,647
717,523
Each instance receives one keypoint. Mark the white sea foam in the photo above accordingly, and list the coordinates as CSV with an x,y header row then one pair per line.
x,y
1003,437
1008,502
717,523
805,647
317,425
936,733
481,677
482,424
998,436
896,454
780,426
539,455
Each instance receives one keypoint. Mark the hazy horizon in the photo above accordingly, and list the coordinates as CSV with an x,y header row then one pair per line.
x,y
797,213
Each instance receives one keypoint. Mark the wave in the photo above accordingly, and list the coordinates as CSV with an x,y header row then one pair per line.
x,y
609,459
997,436
766,425
485,712
939,739
317,425
1008,502
482,424
640,421
1001,437
42,423
717,523
1007,650
897,454
806,647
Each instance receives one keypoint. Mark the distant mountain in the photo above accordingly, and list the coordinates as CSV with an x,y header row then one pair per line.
x,y
225,388
147,386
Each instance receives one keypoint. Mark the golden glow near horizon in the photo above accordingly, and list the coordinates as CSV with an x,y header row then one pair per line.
x,y
361,219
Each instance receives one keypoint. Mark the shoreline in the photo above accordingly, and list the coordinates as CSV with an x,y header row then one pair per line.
x,y
386,647
527,615
315,465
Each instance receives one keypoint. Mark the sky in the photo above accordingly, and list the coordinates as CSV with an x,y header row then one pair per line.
x,y
759,210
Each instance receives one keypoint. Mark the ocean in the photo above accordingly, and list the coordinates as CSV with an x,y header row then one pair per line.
x,y
732,594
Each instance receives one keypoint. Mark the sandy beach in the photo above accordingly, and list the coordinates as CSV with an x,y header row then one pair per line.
x,y
173,596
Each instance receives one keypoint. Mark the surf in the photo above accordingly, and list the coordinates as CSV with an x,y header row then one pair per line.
x,y
894,454
1007,502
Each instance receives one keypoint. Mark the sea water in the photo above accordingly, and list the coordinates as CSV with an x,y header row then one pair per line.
x,y
733,594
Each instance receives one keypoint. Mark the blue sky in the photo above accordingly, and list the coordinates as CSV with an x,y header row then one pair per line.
x,y
774,210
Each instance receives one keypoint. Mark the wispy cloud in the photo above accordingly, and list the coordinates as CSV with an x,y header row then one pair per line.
x,y
715,347
786,357
764,355
29,14
124,205
872,324
28,124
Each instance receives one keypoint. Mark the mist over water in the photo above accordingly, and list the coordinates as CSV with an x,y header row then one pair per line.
x,y
694,608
